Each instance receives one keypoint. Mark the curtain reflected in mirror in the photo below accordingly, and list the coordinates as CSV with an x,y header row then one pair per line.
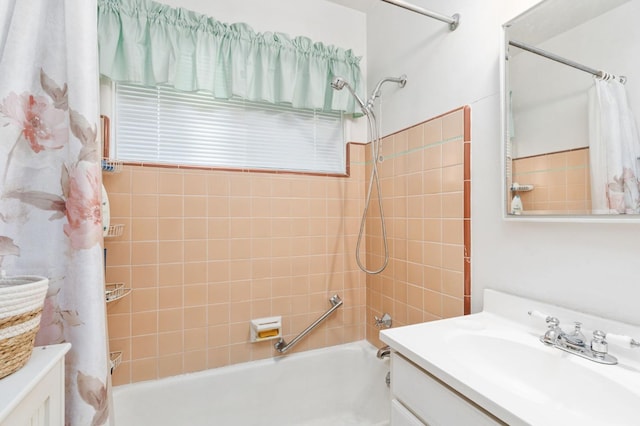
x,y
572,99
614,149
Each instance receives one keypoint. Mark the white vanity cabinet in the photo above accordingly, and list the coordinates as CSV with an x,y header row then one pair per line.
x,y
34,395
421,399
491,368
401,416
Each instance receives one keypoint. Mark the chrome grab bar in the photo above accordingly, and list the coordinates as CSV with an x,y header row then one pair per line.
x,y
282,346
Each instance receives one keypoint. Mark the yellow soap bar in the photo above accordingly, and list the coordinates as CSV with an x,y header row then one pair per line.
x,y
267,333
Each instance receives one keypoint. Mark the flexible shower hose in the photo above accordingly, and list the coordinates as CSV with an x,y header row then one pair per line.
x,y
374,177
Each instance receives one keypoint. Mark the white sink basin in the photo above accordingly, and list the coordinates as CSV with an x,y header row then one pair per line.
x,y
545,377
501,365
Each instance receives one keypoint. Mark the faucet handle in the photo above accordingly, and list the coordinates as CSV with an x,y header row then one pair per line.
x,y
553,332
538,314
621,340
599,344
384,322
553,322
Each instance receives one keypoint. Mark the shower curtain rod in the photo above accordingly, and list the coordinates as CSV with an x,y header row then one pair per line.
x,y
565,61
453,21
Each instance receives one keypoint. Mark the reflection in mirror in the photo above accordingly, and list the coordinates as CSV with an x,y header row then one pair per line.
x,y
572,99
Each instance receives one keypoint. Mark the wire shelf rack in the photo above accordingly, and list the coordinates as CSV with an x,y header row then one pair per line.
x,y
115,291
111,166
115,358
114,231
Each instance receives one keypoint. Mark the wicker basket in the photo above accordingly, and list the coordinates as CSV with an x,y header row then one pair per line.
x,y
21,302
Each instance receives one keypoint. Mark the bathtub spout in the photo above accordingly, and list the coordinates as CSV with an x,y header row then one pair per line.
x,y
384,352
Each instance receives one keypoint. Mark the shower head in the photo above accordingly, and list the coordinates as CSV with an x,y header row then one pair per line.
x,y
339,83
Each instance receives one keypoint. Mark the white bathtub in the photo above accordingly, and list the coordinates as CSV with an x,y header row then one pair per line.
x,y
337,386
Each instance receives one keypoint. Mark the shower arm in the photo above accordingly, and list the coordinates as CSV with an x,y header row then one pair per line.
x,y
453,20
402,81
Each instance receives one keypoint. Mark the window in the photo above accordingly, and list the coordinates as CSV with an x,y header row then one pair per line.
x,y
163,125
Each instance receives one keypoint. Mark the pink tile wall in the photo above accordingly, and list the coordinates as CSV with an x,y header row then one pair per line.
x,y
425,177
561,181
205,251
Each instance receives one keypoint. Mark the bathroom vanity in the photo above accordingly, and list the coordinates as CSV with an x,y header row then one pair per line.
x,y
491,368
34,395
417,391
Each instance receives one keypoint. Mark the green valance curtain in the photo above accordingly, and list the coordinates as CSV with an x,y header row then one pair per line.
x,y
145,42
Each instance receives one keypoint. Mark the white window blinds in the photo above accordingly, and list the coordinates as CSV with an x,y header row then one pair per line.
x,y
163,125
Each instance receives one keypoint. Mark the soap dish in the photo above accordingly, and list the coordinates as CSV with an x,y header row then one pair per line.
x,y
266,329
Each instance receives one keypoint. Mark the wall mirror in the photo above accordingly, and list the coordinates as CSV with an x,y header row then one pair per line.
x,y
570,149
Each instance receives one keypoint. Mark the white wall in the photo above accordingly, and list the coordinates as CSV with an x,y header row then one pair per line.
x,y
585,266
320,20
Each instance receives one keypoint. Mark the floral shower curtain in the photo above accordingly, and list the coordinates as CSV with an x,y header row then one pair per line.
x,y
614,150
50,215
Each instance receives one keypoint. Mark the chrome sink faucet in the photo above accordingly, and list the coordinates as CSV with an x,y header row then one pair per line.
x,y
575,339
576,343
556,336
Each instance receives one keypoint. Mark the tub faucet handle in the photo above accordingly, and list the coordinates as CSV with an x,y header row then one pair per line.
x,y
384,322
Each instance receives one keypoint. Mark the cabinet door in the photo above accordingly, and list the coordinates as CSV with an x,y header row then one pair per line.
x,y
431,400
400,416
40,396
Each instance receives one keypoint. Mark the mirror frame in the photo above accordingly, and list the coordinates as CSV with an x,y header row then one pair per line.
x,y
505,191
